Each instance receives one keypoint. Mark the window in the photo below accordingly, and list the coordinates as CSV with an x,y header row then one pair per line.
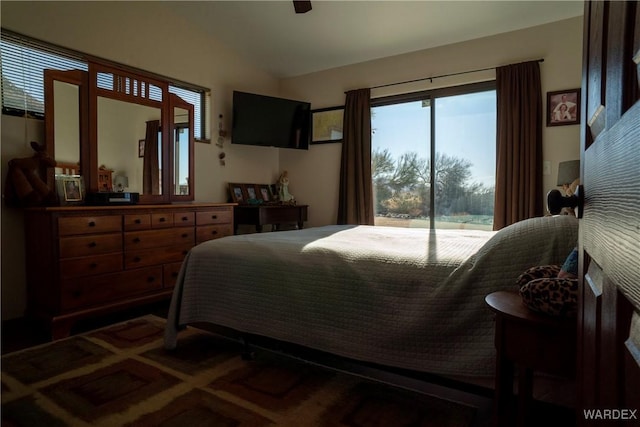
x,y
433,158
23,64
24,61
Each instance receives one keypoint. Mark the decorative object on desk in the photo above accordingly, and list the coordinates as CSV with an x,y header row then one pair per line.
x,y
238,193
70,189
563,107
283,190
569,176
141,148
327,125
120,182
26,182
568,179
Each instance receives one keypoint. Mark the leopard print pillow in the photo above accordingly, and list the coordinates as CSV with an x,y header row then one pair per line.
x,y
551,295
537,272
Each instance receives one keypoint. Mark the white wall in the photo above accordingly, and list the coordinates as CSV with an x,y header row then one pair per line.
x,y
315,175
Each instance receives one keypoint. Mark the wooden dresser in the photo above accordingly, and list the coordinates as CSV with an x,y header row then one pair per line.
x,y
87,260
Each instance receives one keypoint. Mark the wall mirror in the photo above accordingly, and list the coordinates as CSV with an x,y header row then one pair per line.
x,y
181,147
123,130
66,119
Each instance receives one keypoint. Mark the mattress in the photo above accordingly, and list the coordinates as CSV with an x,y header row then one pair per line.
x,y
407,298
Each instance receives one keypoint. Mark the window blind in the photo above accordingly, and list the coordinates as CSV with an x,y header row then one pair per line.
x,y
23,62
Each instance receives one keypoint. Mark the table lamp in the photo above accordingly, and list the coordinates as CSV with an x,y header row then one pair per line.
x,y
120,182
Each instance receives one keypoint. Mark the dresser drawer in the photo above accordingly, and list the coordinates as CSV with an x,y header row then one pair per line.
x,y
162,220
90,265
215,216
170,274
88,291
137,221
68,226
135,240
209,232
146,257
181,219
97,244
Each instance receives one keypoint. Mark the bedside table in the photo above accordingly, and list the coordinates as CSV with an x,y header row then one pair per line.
x,y
533,342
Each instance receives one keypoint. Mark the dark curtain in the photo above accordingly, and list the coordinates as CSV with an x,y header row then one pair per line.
x,y
518,193
150,167
355,204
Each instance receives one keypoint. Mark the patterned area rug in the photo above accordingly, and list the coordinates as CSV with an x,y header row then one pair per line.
x,y
122,376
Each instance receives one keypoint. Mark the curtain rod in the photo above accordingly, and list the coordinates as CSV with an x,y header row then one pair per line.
x,y
437,77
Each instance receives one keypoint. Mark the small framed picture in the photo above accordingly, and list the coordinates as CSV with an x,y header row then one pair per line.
x,y
265,193
238,193
326,125
70,189
141,148
563,107
251,192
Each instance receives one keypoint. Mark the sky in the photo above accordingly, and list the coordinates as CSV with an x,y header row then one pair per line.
x,y
465,128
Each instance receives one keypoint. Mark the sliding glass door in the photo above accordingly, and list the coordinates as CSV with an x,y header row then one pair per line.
x,y
433,158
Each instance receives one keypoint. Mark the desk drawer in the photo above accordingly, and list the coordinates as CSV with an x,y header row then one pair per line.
x,y
87,291
135,240
78,246
90,265
71,225
215,216
209,232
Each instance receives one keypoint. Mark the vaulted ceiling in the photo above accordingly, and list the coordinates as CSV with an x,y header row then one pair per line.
x,y
336,33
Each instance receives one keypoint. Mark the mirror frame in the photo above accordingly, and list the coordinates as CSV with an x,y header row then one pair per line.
x,y
176,102
130,86
78,78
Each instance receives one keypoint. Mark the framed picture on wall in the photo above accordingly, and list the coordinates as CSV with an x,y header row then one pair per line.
x,y
326,125
141,148
563,107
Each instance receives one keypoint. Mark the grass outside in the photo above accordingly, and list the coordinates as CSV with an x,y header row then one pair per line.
x,y
424,223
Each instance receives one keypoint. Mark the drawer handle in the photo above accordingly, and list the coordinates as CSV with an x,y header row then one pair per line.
x,y
93,265
76,294
185,252
214,216
151,279
138,221
136,259
163,219
185,218
214,232
174,274
92,223
185,235
136,240
93,244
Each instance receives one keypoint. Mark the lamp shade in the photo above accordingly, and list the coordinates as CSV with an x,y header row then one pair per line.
x,y
568,172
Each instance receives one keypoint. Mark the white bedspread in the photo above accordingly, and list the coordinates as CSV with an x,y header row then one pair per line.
x,y
409,298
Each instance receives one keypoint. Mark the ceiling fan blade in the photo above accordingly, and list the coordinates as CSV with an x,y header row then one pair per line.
x,y
302,6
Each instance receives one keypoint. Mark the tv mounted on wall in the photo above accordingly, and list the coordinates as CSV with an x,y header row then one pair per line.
x,y
270,122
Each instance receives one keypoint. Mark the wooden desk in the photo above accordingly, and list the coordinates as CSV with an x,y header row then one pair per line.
x,y
275,215
535,342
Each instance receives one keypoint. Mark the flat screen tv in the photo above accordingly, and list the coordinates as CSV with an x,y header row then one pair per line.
x,y
270,122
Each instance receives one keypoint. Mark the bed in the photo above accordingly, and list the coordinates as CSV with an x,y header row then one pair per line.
x,y
404,298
